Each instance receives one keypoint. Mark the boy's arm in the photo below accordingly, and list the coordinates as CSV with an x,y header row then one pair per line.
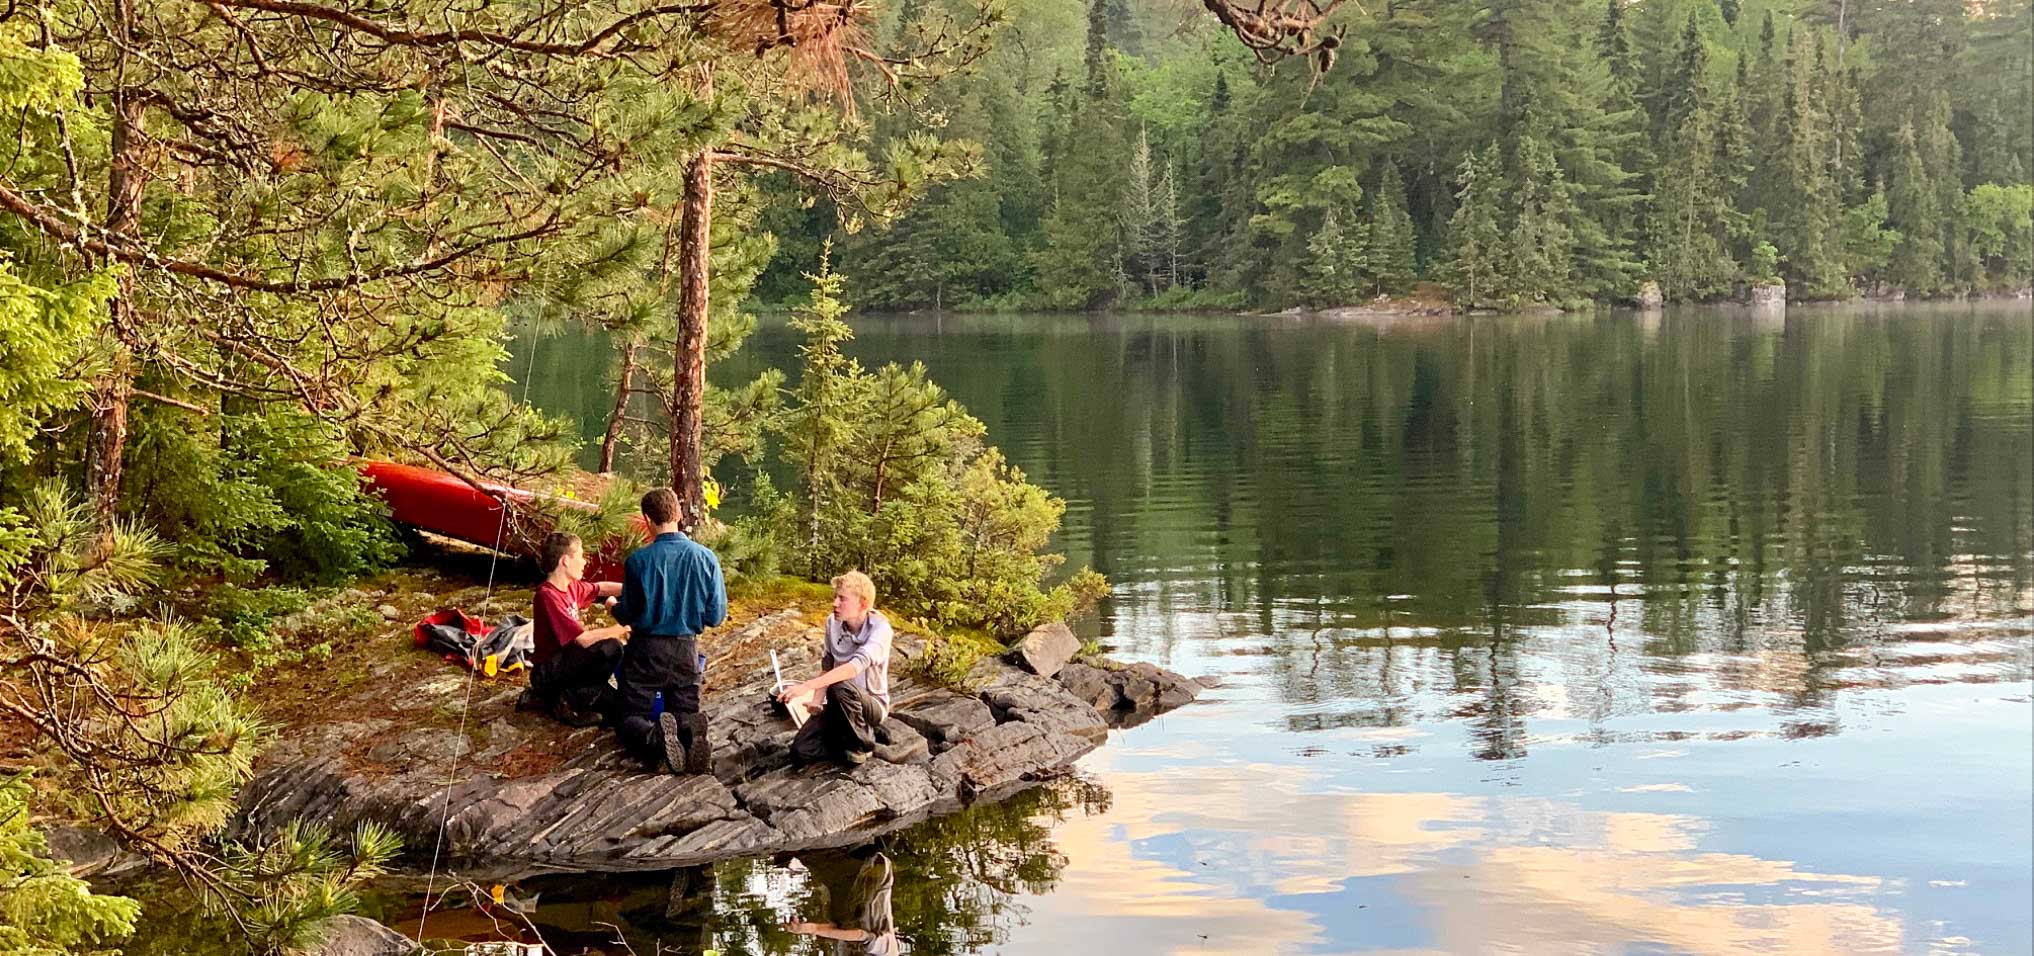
x,y
716,605
630,606
606,589
598,634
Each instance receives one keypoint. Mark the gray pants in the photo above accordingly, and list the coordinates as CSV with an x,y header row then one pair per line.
x,y
846,724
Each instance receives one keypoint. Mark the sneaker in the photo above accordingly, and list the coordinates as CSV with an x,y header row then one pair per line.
x,y
674,745
855,758
698,753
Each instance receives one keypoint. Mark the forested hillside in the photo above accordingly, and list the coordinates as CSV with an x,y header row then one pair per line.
x,y
1514,152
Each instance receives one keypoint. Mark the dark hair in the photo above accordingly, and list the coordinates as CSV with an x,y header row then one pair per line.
x,y
557,544
660,505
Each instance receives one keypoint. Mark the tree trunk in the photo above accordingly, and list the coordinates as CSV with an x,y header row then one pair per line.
x,y
106,443
688,379
621,407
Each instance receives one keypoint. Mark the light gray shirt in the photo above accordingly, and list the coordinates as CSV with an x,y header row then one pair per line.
x,y
869,647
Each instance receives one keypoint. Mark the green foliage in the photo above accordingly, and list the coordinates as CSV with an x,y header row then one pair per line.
x,y
1388,249
2001,223
1665,149
44,911
894,479
299,879
1334,269
1765,264
949,657
1477,231
44,332
1913,210
1542,244
247,617
153,743
267,491
1868,242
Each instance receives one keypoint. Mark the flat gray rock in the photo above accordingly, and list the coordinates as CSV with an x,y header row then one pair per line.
x,y
944,717
596,809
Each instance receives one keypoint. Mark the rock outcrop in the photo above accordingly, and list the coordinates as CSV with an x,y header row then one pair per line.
x,y
595,809
358,936
1046,649
1767,295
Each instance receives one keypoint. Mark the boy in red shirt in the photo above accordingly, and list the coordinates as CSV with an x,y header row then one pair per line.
x,y
569,678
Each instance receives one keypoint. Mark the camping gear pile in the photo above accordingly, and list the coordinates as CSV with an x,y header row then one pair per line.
x,y
465,640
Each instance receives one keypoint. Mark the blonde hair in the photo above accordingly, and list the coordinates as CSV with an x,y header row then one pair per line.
x,y
857,584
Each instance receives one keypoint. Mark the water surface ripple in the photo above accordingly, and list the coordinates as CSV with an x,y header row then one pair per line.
x,y
1696,633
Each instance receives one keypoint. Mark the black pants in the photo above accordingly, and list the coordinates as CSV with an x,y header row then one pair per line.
x,y
576,676
653,663
847,723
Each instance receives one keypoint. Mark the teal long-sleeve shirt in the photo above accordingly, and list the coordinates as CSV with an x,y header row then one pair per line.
x,y
672,586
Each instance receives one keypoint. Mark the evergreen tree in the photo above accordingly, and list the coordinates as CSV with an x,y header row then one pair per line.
x,y
1541,254
1913,210
1334,270
1807,214
1942,161
1169,228
1141,214
829,400
1388,258
1691,223
1476,231
1868,243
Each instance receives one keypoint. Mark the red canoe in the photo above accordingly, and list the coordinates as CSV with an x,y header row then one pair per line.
x,y
444,504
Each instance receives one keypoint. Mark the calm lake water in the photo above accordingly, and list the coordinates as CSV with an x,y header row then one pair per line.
x,y
1696,633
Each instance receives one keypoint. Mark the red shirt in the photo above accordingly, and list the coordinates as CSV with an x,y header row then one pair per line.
x,y
556,618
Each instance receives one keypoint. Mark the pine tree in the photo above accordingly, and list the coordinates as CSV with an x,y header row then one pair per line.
x,y
1607,255
1142,229
1690,225
1808,214
1333,271
1095,63
1942,158
1169,228
1541,254
1913,210
827,403
1868,243
1476,231
1388,256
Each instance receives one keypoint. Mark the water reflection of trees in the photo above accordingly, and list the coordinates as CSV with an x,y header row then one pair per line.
x,y
1385,509
956,884
1719,484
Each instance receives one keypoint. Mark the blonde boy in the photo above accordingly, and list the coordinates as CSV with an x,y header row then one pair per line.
x,y
851,696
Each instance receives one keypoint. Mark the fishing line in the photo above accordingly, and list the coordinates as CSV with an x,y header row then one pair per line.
x,y
466,705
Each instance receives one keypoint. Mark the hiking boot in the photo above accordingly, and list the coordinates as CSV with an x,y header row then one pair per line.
x,y
698,753
674,745
855,758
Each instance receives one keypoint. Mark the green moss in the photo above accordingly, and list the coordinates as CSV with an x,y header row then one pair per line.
x,y
948,658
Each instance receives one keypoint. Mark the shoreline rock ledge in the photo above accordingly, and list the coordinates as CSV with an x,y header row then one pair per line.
x,y
1015,724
